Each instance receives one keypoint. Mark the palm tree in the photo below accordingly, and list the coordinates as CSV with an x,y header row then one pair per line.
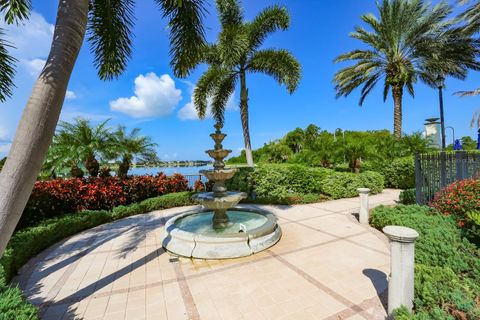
x,y
237,53
85,141
130,145
399,44
109,24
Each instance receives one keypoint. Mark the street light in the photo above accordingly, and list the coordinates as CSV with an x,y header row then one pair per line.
x,y
441,85
453,133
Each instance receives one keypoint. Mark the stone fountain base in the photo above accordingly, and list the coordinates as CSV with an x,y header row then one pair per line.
x,y
182,239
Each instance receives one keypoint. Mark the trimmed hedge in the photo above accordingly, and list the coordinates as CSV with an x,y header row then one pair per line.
x,y
283,183
447,270
65,196
345,185
398,173
25,244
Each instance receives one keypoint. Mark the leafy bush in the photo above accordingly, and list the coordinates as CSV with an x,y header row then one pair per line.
x,y
408,196
13,305
398,173
58,197
447,279
344,185
459,198
287,183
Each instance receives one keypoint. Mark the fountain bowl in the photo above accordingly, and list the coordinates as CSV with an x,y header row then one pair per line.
x,y
191,234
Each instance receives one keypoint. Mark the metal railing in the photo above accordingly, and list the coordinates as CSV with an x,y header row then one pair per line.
x,y
435,171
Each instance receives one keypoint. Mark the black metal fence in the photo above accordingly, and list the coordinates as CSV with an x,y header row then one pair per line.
x,y
194,177
434,171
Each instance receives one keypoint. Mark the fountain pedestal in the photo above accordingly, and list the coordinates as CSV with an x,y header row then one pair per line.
x,y
220,231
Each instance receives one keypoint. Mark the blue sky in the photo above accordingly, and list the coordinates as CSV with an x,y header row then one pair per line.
x,y
161,104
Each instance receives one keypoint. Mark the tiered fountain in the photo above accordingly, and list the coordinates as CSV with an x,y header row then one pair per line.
x,y
219,230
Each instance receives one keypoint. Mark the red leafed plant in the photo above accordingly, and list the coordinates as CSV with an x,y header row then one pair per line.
x,y
63,196
459,198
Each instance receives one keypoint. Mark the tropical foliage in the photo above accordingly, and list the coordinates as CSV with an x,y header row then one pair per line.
x,y
236,53
447,266
409,41
82,144
61,196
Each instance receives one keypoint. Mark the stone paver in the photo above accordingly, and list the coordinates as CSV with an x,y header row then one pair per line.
x,y
326,266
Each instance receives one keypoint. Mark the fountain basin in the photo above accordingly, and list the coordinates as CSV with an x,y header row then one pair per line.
x,y
191,234
219,175
229,200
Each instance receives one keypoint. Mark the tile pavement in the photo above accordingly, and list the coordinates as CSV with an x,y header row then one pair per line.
x,y
326,266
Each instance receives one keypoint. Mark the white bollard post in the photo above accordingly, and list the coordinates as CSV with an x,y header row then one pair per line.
x,y
402,266
363,214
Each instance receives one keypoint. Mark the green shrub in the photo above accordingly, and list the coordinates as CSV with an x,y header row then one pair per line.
x,y
287,183
398,173
447,280
344,185
14,307
408,196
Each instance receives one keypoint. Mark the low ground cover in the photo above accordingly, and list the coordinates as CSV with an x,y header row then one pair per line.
x,y
447,270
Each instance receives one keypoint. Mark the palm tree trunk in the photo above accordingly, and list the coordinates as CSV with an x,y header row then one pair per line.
x,y
397,111
244,116
40,116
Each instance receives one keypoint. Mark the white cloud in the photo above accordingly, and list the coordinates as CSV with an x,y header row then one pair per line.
x,y
31,39
69,114
34,66
188,111
154,97
70,95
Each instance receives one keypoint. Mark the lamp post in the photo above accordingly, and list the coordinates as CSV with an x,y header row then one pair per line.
x,y
453,133
441,85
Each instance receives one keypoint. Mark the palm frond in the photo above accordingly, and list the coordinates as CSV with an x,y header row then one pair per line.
x,y
266,22
233,45
206,87
223,91
280,64
7,69
187,35
15,11
468,93
110,27
229,12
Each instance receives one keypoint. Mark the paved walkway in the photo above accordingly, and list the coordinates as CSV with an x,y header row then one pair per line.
x,y
326,266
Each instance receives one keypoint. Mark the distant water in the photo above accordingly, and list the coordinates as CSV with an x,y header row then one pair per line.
x,y
168,170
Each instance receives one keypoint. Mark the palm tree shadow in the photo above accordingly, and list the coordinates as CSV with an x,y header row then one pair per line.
x,y
380,283
133,232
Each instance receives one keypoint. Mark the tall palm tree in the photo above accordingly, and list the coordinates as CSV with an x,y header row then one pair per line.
x,y
109,24
131,145
399,44
236,53
85,141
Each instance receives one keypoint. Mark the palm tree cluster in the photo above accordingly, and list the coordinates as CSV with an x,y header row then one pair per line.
x,y
82,144
236,53
408,42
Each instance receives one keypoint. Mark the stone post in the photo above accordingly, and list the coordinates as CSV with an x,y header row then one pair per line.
x,y
402,265
363,214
